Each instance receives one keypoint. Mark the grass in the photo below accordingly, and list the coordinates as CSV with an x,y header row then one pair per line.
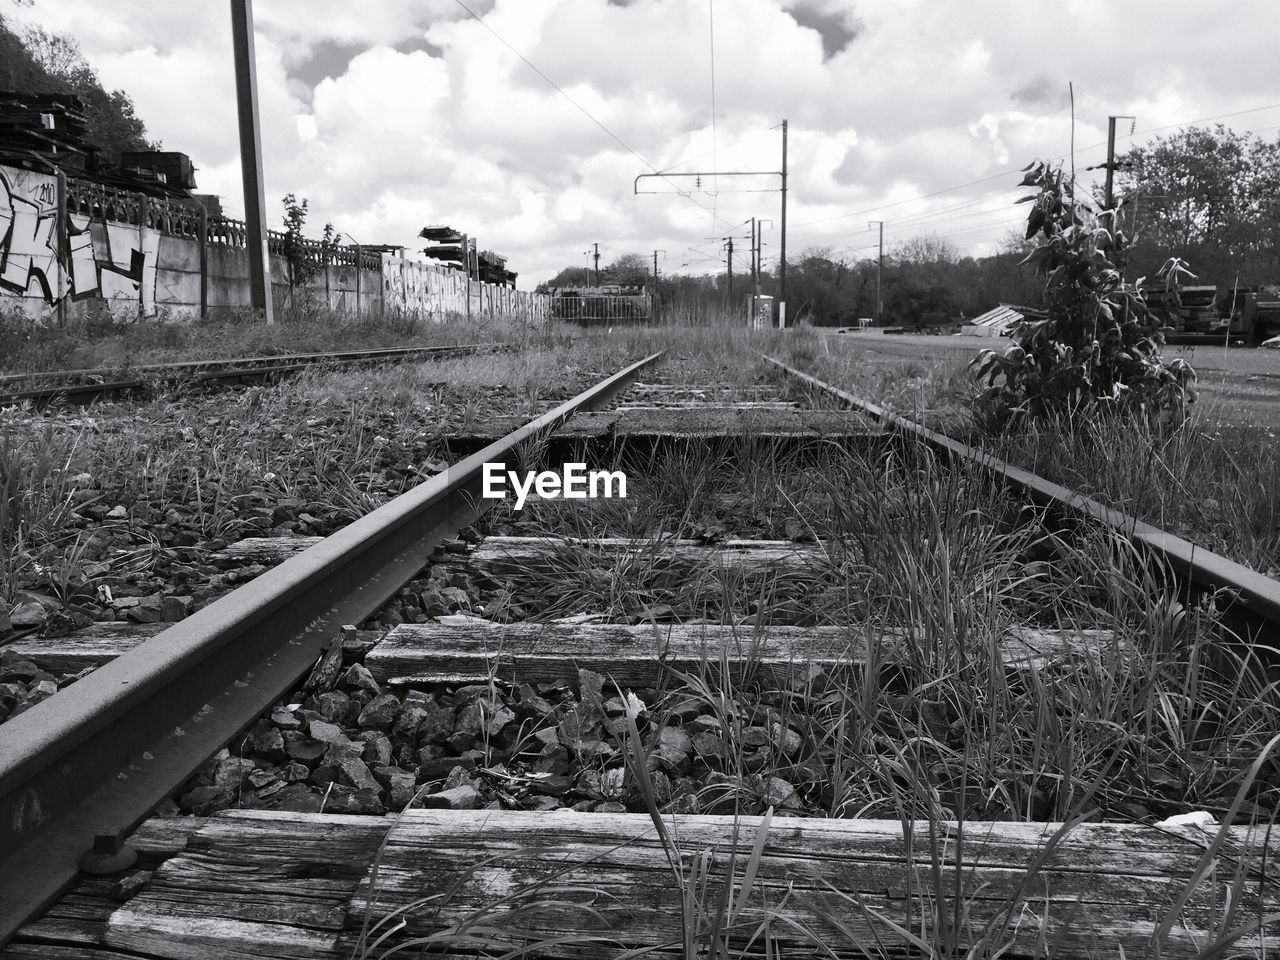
x,y
101,341
37,491
1215,480
1166,714
339,442
1218,487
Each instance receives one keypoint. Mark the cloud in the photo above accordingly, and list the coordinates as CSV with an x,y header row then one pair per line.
x,y
324,60
837,27
1040,90
388,115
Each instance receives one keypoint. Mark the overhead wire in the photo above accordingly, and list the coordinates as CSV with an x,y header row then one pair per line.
x,y
583,110
715,162
1004,171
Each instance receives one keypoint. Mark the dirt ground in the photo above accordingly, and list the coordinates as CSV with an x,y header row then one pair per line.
x,y
1240,386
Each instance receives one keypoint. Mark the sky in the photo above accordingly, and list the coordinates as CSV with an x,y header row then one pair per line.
x,y
389,115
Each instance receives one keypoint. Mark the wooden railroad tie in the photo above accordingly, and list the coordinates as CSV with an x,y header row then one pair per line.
x,y
287,885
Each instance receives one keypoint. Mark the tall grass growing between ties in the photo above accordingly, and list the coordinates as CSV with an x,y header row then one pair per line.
x,y
36,497
1160,710
1219,488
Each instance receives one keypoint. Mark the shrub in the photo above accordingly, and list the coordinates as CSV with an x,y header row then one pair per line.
x,y
1098,348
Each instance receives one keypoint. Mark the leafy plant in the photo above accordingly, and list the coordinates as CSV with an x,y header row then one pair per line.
x,y
1099,345
307,258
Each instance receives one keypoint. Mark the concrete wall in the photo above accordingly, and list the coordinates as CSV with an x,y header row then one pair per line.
x,y
138,270
432,291
105,262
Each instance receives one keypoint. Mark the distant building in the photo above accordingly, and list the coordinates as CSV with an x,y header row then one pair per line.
x,y
999,321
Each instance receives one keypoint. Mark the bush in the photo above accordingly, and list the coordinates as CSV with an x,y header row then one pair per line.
x,y
1099,346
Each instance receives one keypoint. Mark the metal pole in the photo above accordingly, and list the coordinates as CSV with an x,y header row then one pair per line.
x,y
142,248
755,267
204,261
466,269
597,264
879,268
782,263
359,266
730,273
255,213
755,272
1109,203
655,265
62,226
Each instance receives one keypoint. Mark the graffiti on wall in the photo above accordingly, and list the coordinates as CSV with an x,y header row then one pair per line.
x,y
114,261
435,291
28,240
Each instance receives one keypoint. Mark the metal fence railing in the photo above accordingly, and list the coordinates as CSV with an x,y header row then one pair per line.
x,y
604,309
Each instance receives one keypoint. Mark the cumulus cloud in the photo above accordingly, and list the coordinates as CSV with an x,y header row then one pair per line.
x,y
388,115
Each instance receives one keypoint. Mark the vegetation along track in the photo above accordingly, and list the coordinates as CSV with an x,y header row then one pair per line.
x,y
812,687
78,387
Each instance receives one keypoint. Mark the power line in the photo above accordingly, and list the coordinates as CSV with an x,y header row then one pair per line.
x,y
1005,169
715,163
706,153
1221,116
583,110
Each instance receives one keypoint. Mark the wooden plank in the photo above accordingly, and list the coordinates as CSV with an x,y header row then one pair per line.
x,y
93,646
759,392
1104,887
265,550
279,889
498,553
467,649
636,424
712,421
60,951
76,922
717,407
272,885
499,556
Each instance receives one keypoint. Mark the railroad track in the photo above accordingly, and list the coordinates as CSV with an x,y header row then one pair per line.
x,y
525,697
79,387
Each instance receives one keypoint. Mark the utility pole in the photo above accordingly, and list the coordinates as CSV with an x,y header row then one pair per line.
x,y
466,270
597,263
1111,162
255,213
1109,196
730,239
699,174
879,268
655,264
782,263
755,271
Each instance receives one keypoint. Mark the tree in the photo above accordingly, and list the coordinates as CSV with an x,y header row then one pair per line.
x,y
1205,195
631,269
38,61
926,248
568,277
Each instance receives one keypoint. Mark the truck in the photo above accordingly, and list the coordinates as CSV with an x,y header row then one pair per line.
x,y
1251,313
1218,314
